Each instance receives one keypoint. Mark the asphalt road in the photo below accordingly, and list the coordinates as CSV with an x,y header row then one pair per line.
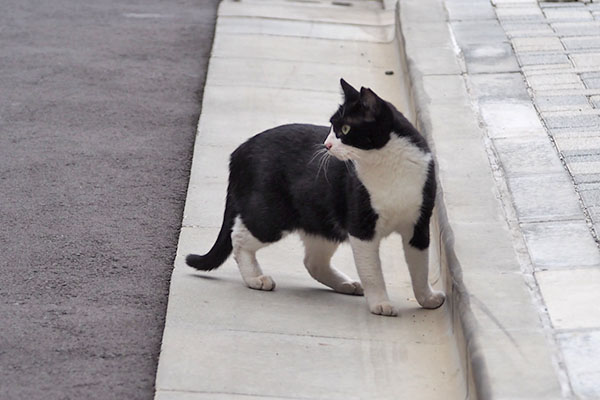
x,y
99,102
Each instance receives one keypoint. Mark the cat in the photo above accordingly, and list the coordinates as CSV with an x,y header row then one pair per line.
x,y
366,176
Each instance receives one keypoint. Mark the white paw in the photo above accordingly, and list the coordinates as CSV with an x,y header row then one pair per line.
x,y
384,308
263,282
435,299
350,287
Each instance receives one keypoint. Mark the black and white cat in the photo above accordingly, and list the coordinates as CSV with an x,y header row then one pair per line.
x,y
380,180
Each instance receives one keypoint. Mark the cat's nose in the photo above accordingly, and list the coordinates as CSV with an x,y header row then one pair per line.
x,y
328,145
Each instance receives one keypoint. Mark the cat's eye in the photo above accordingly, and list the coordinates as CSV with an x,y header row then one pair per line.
x,y
345,129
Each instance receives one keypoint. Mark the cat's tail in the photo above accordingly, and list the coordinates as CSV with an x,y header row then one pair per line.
x,y
222,247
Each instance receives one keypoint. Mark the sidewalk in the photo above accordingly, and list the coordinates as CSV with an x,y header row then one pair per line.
x,y
515,141
539,127
275,62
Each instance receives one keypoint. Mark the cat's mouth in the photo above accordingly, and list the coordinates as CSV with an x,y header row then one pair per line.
x,y
339,154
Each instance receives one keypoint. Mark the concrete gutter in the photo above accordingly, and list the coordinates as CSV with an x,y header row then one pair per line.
x,y
496,320
273,63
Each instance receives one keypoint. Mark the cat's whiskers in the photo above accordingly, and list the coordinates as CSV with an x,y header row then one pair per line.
x,y
318,152
323,164
327,160
347,166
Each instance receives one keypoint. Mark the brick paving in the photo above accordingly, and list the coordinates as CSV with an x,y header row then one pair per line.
x,y
557,46
560,43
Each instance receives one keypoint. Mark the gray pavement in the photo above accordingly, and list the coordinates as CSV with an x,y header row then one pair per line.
x,y
276,62
98,108
515,251
560,60
529,70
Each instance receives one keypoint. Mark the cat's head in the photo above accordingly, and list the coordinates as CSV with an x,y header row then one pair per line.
x,y
364,122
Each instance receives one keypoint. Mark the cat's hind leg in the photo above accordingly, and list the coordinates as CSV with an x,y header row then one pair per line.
x,y
245,246
318,253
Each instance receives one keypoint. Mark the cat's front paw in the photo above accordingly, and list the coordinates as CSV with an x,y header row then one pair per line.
x,y
384,308
350,287
435,299
263,282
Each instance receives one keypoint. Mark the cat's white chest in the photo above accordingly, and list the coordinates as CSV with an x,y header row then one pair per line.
x,y
395,184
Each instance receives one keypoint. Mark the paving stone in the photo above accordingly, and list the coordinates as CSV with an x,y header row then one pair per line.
x,y
586,59
537,44
589,186
571,121
555,81
576,28
567,4
519,13
498,87
511,3
483,58
592,83
590,167
569,13
524,121
520,156
544,69
581,43
560,103
594,212
469,9
477,32
591,80
542,58
591,197
572,297
547,197
562,244
581,155
586,178
581,352
566,144
568,132
526,29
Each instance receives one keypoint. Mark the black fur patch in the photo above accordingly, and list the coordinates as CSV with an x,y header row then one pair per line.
x,y
280,183
420,238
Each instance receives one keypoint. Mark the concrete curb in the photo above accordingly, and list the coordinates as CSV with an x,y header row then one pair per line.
x,y
496,322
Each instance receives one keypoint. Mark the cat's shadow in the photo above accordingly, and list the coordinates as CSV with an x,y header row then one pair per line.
x,y
297,291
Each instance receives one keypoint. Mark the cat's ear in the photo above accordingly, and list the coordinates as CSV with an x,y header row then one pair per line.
x,y
350,94
369,100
